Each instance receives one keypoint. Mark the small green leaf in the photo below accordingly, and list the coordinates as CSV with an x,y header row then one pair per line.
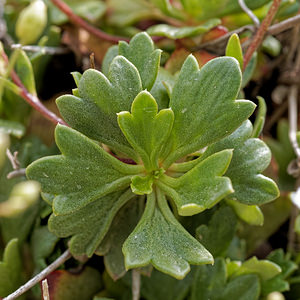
x,y
10,269
204,105
260,117
242,287
84,173
19,226
10,127
141,185
88,225
76,286
140,51
22,196
159,90
10,86
280,282
202,187
248,72
101,99
297,225
209,281
218,234
182,32
234,49
76,76
250,158
163,287
111,53
272,46
129,12
264,268
111,246
160,240
4,144
250,187
203,9
250,214
42,245
145,129
24,69
166,7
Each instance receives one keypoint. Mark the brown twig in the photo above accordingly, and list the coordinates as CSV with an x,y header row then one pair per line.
x,y
284,25
273,30
262,30
31,99
36,279
63,7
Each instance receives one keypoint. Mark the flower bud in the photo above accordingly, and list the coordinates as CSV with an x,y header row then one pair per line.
x,y
275,296
23,195
31,22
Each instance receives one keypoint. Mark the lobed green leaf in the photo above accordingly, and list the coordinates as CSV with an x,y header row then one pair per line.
x,y
173,32
82,174
141,53
160,240
201,187
204,105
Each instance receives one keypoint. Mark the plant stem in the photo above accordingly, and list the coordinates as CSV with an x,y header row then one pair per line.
x,y
249,12
136,284
16,173
36,279
274,30
284,25
262,30
63,7
293,118
42,49
31,99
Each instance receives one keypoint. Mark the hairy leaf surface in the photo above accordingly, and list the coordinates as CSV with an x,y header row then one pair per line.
x,y
159,239
203,102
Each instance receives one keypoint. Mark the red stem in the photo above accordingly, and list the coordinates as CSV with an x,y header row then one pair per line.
x,y
63,7
258,38
31,99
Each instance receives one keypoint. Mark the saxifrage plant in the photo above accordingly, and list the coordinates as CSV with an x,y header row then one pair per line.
x,y
168,146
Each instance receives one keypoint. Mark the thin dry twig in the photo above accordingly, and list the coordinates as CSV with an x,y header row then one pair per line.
x,y
284,25
293,118
36,279
273,30
92,60
261,32
45,290
31,99
42,49
249,12
16,173
13,158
